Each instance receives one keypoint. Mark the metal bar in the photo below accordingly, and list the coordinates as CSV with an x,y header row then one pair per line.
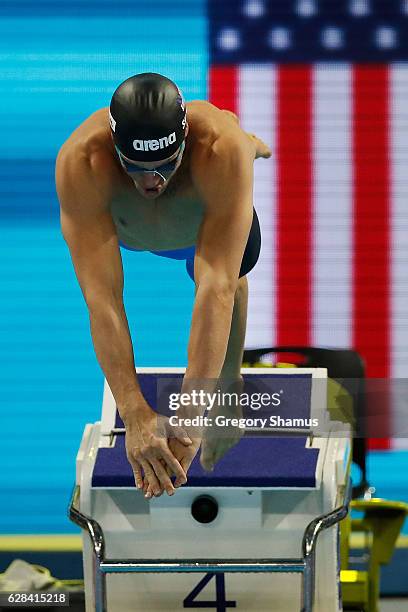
x,y
90,525
324,521
305,566
98,544
202,565
308,584
309,541
99,581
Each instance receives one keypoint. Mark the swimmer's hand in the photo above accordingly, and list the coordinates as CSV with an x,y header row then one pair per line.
x,y
262,149
147,449
218,440
184,454
214,447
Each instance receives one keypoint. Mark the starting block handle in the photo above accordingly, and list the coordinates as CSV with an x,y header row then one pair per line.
x,y
305,566
312,531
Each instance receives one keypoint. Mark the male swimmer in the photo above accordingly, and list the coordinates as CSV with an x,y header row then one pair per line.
x,y
154,173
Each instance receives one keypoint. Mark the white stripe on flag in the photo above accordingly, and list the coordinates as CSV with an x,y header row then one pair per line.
x,y
399,248
257,112
332,261
399,215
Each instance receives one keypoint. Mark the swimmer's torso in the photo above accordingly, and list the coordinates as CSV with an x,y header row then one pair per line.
x,y
169,222
173,219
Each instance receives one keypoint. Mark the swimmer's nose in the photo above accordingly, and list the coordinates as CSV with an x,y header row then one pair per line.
x,y
151,180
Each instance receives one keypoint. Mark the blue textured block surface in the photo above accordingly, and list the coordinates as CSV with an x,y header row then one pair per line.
x,y
295,393
253,462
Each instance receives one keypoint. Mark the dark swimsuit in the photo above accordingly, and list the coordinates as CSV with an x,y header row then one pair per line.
x,y
249,259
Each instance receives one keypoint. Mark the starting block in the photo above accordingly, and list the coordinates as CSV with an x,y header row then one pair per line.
x,y
259,533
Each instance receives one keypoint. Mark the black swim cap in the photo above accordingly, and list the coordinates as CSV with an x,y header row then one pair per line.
x,y
147,117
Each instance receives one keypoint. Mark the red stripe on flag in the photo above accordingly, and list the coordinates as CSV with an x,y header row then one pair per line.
x,y
294,204
371,266
223,87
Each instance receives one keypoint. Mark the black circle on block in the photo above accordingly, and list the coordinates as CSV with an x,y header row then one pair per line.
x,y
204,509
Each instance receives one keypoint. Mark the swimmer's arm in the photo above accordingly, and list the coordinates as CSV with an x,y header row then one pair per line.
x,y
225,182
90,234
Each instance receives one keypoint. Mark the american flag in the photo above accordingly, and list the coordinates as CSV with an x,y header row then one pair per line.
x,y
325,84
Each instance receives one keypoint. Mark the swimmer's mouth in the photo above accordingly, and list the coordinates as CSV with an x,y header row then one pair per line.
x,y
149,192
152,191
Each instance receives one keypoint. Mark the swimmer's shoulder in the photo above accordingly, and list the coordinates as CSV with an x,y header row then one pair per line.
x,y
208,122
215,132
87,158
91,138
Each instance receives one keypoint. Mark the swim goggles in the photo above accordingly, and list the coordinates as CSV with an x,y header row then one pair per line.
x,y
164,170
